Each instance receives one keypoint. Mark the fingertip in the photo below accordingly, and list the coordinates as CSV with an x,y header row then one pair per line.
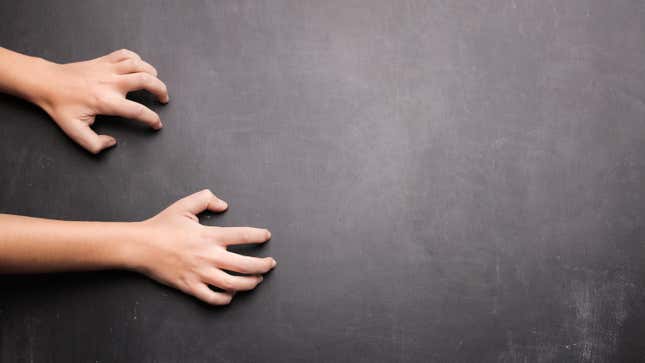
x,y
274,263
156,124
268,234
106,142
221,205
215,204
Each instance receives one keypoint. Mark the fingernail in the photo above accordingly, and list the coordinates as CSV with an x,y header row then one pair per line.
x,y
268,234
160,125
273,263
112,142
260,279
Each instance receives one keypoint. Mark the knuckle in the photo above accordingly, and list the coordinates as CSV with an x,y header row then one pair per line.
x,y
246,268
228,283
205,233
143,78
188,286
130,63
98,99
138,110
128,53
214,233
101,98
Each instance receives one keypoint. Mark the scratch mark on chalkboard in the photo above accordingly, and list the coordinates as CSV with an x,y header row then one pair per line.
x,y
555,16
598,333
584,319
498,285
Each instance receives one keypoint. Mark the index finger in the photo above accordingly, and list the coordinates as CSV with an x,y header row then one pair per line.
x,y
230,236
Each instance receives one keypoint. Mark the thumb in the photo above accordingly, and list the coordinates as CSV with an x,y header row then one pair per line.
x,y
200,201
106,141
87,138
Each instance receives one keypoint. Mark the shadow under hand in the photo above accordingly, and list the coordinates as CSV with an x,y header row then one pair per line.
x,y
115,124
14,105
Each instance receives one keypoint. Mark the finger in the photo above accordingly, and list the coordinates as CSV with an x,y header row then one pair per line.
x,y
88,139
229,282
241,235
133,110
142,80
135,66
245,264
121,54
205,294
200,201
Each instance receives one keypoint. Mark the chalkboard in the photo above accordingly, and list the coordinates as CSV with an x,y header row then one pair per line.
x,y
444,180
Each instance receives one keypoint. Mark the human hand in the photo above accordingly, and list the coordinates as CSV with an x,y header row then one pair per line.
x,y
74,94
176,250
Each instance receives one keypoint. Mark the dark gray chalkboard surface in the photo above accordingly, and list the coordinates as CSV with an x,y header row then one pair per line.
x,y
444,180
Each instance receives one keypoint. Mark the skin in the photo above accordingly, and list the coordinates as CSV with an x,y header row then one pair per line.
x,y
172,247
74,94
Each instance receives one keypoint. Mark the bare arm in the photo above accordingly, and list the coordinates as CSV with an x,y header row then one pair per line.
x,y
73,94
171,248
44,245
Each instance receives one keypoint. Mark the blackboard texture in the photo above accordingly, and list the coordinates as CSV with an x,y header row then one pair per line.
x,y
445,180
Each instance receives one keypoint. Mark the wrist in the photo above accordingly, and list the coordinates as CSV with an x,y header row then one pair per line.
x,y
129,252
25,76
38,87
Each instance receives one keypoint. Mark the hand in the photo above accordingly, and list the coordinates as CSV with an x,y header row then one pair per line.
x,y
74,94
180,252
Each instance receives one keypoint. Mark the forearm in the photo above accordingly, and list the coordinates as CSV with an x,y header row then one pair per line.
x,y
43,245
171,247
23,76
